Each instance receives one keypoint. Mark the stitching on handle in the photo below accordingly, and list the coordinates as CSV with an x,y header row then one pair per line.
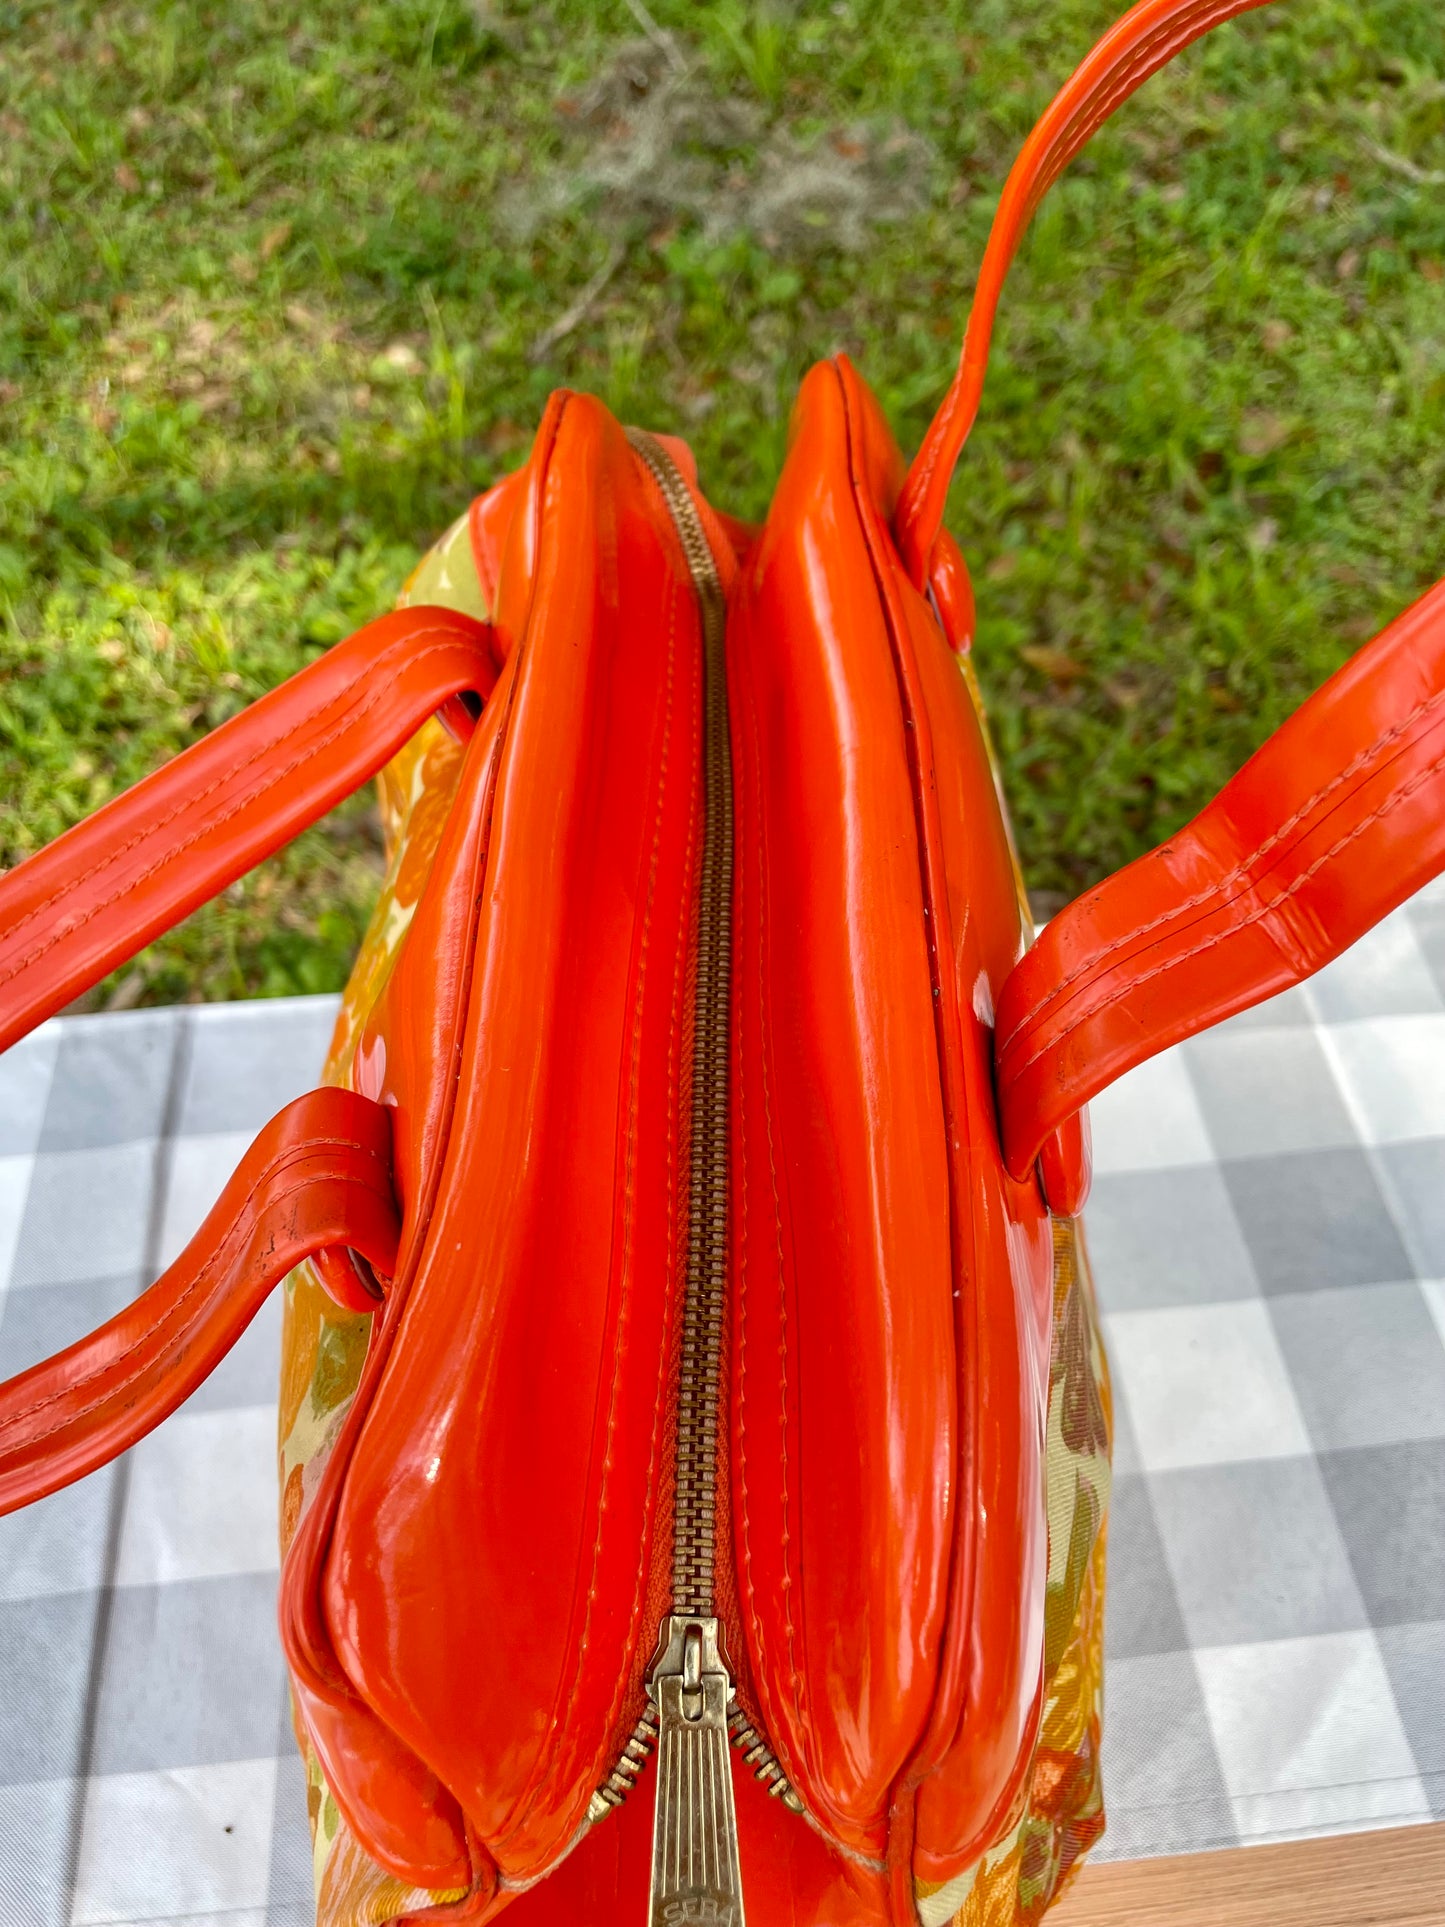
x,y
1112,997
203,1276
1225,883
1117,85
189,802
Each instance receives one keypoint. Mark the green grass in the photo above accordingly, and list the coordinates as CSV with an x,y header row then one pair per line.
x,y
272,279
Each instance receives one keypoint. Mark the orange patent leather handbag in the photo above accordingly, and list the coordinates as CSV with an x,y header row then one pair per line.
x,y
694,1425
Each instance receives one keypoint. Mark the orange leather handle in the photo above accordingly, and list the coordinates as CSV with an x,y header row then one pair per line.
x,y
1136,46
101,892
318,1176
1335,821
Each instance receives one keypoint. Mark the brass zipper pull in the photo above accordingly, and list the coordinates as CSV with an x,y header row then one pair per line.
x,y
697,1876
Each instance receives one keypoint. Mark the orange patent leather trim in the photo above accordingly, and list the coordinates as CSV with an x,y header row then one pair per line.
x,y
317,1176
520,1416
1136,46
1335,821
102,891
952,589
410,1059
843,1403
966,1775
489,520
890,1284
1066,1165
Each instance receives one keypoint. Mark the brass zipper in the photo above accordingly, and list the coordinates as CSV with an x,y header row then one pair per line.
x,y
692,1710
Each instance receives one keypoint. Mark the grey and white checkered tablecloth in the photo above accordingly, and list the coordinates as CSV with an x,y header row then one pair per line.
x,y
1268,1231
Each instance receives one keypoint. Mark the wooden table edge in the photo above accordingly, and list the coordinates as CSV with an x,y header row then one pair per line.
x,y
1390,1878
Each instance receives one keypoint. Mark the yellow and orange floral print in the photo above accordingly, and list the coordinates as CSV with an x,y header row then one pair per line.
x,y
1022,1874
323,1347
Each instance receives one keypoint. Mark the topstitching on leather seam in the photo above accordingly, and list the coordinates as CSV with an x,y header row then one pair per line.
x,y
204,1275
795,1677
1222,884
542,1762
1118,81
744,1553
192,798
676,1020
679,984
413,1237
1115,996
305,1634
962,1560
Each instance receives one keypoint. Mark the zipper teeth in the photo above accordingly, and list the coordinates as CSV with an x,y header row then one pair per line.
x,y
760,1757
704,1305
620,1781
